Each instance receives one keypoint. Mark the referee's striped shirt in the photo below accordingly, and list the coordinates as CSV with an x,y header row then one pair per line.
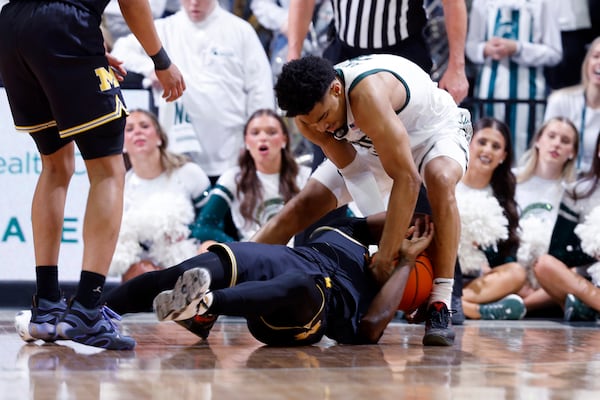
x,y
375,24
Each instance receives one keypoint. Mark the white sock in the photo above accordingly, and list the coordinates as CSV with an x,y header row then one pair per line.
x,y
442,291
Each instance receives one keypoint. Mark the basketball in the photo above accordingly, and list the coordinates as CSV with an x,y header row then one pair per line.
x,y
418,285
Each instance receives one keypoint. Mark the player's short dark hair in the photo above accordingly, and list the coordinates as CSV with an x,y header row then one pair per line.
x,y
302,84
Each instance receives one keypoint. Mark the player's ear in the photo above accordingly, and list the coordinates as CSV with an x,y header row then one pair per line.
x,y
336,88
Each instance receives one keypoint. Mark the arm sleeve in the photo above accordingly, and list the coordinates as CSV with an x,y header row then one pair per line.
x,y
210,223
362,186
198,185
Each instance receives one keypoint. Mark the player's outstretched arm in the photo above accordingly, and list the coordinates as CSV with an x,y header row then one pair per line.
x,y
384,305
138,15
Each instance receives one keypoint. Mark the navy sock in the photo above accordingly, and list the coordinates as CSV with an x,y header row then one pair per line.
x,y
47,282
89,291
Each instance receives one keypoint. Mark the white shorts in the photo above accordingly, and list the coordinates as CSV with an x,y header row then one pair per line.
x,y
453,146
451,143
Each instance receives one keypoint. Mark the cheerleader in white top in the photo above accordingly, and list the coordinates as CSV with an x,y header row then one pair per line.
x,y
163,193
547,166
267,176
570,273
489,219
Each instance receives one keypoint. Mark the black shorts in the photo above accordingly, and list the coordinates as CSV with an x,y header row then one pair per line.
x,y
56,75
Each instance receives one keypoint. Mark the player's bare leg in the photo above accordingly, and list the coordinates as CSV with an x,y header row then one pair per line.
x,y
47,215
441,176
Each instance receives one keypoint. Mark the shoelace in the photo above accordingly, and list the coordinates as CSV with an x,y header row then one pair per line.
x,y
109,315
437,318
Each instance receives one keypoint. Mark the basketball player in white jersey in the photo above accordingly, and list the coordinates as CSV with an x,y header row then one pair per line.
x,y
406,130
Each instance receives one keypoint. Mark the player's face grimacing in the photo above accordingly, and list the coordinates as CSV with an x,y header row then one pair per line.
x,y
328,115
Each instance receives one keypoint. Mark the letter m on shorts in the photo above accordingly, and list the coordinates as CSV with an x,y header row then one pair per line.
x,y
107,77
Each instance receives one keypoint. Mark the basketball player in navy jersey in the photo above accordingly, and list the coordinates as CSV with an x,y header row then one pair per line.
x,y
289,296
63,90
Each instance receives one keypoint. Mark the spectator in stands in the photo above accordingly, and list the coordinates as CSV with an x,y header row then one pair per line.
x,y
163,194
570,273
512,41
491,274
265,179
581,104
228,77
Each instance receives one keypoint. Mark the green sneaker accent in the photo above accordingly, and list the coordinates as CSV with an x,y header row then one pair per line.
x,y
510,307
577,310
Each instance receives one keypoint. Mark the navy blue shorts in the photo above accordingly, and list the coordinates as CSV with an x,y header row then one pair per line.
x,y
59,85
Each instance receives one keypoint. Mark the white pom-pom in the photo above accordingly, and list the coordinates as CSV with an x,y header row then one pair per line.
x,y
128,250
161,221
535,235
483,224
589,233
471,259
22,319
165,217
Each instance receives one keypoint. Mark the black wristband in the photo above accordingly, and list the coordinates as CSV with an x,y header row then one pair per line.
x,y
161,60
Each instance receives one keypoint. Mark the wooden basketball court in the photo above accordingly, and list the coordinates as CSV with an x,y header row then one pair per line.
x,y
530,359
